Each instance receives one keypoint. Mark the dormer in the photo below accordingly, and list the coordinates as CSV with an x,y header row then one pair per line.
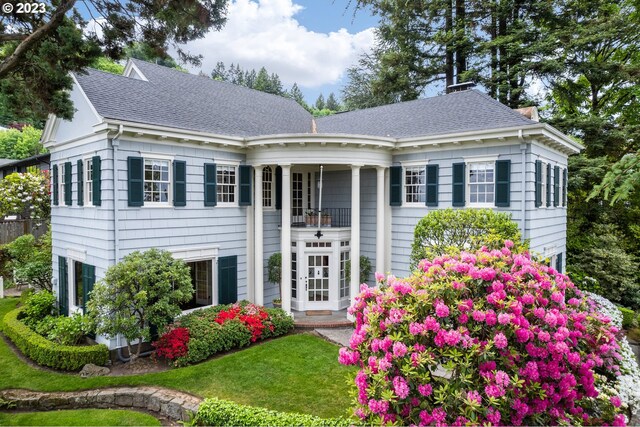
x,y
131,70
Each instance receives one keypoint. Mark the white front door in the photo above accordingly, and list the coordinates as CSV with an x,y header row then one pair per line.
x,y
317,289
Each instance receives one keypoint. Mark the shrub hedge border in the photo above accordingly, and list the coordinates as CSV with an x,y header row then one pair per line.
x,y
218,412
47,353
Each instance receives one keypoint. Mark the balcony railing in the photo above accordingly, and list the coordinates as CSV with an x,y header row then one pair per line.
x,y
329,217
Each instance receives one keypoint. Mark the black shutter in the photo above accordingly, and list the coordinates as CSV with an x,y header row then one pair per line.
x,y
179,183
559,262
55,184
63,286
565,187
548,185
135,181
210,185
67,184
80,183
88,280
245,185
96,177
556,186
227,279
395,190
278,188
503,183
432,173
539,188
458,197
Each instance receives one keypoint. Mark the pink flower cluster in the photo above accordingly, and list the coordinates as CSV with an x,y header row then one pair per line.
x,y
520,341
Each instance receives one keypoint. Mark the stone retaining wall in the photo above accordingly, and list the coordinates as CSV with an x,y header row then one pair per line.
x,y
170,404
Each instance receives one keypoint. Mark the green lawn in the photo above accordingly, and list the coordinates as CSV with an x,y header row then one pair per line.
x,y
296,373
79,417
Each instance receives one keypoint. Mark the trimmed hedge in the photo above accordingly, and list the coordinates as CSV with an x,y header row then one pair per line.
x,y
216,412
629,318
47,353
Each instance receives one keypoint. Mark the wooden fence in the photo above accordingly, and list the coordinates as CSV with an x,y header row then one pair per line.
x,y
12,229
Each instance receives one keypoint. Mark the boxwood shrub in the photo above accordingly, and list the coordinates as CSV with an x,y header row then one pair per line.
x,y
208,337
47,353
216,412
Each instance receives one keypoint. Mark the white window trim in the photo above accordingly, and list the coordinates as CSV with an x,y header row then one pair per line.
x,y
273,188
413,165
545,179
236,186
169,202
88,201
61,185
207,253
468,162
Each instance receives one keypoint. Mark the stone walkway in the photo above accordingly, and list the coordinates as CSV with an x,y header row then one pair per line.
x,y
164,403
338,336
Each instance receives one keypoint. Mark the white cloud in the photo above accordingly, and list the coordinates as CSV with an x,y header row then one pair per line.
x,y
266,33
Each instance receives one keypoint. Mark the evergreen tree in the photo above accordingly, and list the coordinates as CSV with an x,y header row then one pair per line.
x,y
262,82
220,72
319,104
332,103
296,94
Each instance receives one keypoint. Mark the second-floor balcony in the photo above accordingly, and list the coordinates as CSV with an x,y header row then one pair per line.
x,y
327,217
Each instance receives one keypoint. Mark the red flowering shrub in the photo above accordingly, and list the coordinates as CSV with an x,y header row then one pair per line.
x,y
252,316
172,344
484,338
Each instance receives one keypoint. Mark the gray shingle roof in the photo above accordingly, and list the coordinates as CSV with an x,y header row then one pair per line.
x,y
186,101
456,112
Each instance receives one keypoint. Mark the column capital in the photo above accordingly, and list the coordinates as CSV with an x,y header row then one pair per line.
x,y
381,168
357,165
257,165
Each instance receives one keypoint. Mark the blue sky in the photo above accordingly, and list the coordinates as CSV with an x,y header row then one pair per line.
x,y
311,42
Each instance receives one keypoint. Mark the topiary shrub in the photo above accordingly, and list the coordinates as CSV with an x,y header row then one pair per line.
x,y
448,230
484,337
216,412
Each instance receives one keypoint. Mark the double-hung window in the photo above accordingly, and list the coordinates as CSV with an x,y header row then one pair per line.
x,y
545,182
61,183
157,181
227,184
481,184
267,187
414,185
88,182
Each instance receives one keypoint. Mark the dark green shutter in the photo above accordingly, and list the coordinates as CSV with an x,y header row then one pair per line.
x,y
80,183
278,188
135,181
67,184
179,183
432,173
227,279
559,262
245,185
97,183
539,188
565,187
556,186
503,183
395,190
63,286
88,280
55,185
210,185
548,185
458,197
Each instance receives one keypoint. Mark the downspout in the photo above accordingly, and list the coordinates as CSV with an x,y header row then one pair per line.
x,y
523,202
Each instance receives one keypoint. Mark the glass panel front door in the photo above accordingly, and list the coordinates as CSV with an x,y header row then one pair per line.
x,y
318,278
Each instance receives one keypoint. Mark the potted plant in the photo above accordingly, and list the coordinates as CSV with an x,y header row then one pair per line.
x,y
326,218
274,271
311,218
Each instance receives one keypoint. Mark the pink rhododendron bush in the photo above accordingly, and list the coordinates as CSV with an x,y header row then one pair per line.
x,y
485,338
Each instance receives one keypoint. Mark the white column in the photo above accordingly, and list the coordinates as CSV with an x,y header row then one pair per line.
x,y
387,222
285,241
251,294
355,231
381,242
258,230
